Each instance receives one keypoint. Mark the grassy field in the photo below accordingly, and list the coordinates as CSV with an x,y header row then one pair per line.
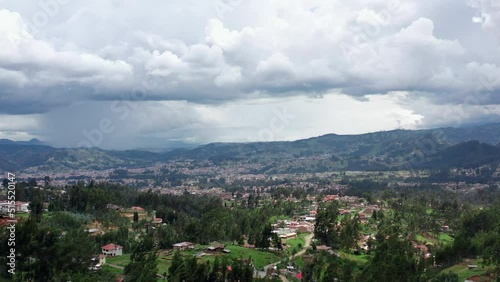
x,y
260,258
164,263
119,260
27,214
296,243
299,262
112,270
358,259
445,238
463,271
442,238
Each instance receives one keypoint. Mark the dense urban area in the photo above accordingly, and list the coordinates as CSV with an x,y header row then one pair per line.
x,y
225,220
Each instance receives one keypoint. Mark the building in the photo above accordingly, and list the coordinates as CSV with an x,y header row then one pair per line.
x,y
475,278
323,248
307,258
22,207
94,231
330,198
99,260
288,235
183,246
112,250
249,246
302,229
114,207
5,207
216,246
102,259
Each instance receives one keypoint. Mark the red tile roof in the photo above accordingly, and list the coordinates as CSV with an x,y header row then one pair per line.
x,y
111,247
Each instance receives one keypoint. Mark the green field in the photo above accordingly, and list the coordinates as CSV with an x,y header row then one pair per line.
x,y
463,271
119,260
358,259
27,214
112,270
293,244
442,238
260,258
299,262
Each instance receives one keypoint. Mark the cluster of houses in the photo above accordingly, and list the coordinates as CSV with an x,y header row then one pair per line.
x,y
212,248
288,229
352,205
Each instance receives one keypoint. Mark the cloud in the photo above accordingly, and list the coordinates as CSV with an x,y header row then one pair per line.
x,y
488,14
159,124
200,59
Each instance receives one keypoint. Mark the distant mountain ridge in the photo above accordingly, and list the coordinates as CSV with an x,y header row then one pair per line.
x,y
31,142
386,150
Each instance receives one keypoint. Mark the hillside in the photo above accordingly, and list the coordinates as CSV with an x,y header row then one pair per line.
x,y
469,154
387,150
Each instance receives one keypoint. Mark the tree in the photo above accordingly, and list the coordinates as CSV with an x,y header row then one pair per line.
x,y
265,236
176,263
78,198
136,217
143,263
277,241
446,277
394,259
36,207
326,220
143,268
349,232
46,181
32,183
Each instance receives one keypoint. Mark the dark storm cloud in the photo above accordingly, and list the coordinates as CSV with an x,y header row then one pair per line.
x,y
59,54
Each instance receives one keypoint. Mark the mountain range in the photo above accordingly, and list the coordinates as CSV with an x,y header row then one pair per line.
x,y
387,150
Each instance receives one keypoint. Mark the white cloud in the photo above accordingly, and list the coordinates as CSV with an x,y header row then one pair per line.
x,y
185,52
488,14
41,65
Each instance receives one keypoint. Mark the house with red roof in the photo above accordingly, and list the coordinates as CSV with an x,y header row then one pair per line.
x,y
330,198
157,220
112,250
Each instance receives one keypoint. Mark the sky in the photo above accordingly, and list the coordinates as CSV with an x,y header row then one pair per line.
x,y
122,74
